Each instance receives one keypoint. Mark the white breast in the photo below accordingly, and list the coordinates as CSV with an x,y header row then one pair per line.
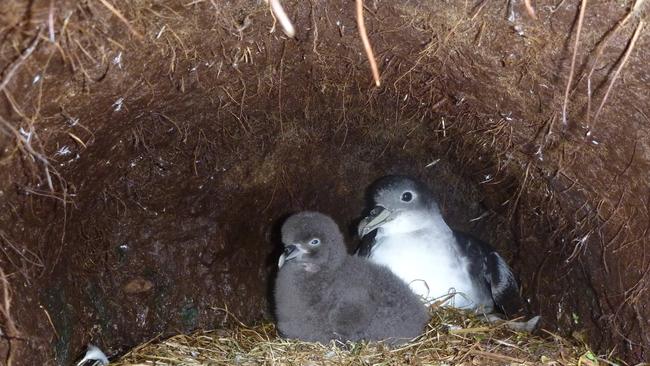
x,y
428,260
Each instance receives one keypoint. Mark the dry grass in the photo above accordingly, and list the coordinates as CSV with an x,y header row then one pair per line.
x,y
452,337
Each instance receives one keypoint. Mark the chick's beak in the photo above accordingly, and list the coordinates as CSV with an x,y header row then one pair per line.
x,y
290,252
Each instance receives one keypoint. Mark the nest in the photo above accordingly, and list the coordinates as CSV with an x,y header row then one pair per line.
x,y
453,337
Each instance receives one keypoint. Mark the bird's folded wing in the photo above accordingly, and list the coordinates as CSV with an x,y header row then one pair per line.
x,y
504,288
499,277
367,242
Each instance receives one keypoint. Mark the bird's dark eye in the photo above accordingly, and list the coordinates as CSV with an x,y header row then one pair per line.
x,y
407,196
314,242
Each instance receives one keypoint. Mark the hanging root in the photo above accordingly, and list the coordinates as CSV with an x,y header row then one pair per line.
x,y
599,52
581,16
530,9
366,43
278,12
628,51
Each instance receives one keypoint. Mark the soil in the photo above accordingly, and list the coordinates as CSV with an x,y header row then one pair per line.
x,y
178,138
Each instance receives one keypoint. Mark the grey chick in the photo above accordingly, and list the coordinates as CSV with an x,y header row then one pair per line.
x,y
413,240
322,293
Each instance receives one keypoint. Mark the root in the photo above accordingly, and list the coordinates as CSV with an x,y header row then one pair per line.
x,y
581,16
315,25
599,52
50,22
278,13
20,257
366,43
24,139
12,70
122,18
628,51
10,330
530,9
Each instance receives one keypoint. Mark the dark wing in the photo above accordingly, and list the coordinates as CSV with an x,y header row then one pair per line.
x,y
92,363
487,264
505,291
365,246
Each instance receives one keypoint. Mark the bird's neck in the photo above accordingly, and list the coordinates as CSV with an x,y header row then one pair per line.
x,y
319,269
321,274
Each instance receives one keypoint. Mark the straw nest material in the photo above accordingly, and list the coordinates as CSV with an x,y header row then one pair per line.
x,y
453,337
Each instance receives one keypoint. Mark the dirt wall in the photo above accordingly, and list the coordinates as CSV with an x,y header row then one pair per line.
x,y
149,150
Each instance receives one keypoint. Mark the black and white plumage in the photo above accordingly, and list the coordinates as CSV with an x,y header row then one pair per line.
x,y
322,293
413,240
93,357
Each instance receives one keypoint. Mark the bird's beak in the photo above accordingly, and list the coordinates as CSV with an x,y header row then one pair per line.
x,y
290,252
377,217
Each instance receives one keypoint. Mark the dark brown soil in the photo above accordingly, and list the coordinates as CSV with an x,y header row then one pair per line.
x,y
174,157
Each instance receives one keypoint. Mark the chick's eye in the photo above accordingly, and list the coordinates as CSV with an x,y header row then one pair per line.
x,y
314,241
407,196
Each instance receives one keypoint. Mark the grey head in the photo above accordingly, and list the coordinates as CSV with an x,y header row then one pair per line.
x,y
313,241
395,199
